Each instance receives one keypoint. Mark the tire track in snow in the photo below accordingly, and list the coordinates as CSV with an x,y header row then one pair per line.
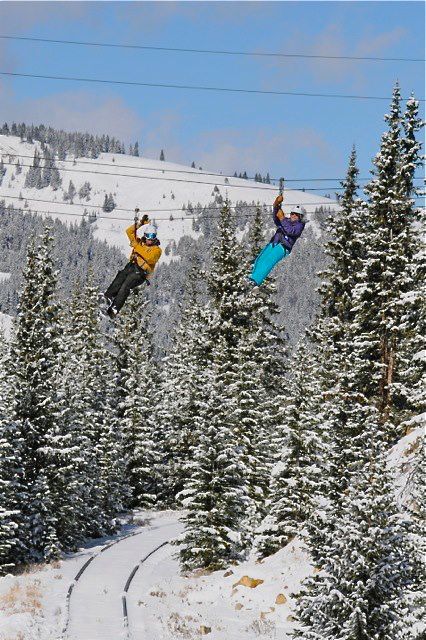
x,y
129,582
82,572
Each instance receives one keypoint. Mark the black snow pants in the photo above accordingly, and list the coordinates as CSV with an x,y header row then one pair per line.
x,y
128,278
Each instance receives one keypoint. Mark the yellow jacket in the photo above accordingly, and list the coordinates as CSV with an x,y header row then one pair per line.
x,y
146,257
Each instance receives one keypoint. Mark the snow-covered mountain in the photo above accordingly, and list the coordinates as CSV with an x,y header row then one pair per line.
x,y
156,187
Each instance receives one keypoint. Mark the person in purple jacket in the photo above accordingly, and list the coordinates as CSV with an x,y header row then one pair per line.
x,y
281,244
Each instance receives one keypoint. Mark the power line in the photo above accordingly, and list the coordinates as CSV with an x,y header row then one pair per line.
x,y
266,187
194,172
139,177
212,51
199,88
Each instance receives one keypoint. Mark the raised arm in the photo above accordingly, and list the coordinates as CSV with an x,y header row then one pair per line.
x,y
278,213
131,231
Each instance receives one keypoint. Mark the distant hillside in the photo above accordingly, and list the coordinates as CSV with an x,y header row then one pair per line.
x,y
45,178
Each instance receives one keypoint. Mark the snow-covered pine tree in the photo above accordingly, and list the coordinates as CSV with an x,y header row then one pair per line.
x,y
137,398
361,590
296,478
34,370
183,390
12,486
109,203
333,335
272,352
33,177
216,494
84,191
410,392
87,383
226,283
370,564
251,416
385,278
46,173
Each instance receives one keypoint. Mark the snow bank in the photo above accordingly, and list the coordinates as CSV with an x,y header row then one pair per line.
x,y
215,604
401,458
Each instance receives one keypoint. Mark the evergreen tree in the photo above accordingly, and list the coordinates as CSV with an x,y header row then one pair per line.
x,y
296,480
33,178
84,191
162,156
92,418
364,582
137,397
183,394
70,193
216,495
385,277
12,487
360,591
109,204
34,370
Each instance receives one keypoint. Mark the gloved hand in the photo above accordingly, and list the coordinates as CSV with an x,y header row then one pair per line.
x,y
278,199
144,220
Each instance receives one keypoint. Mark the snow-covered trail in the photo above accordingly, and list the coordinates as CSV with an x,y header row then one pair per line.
x,y
143,616
96,606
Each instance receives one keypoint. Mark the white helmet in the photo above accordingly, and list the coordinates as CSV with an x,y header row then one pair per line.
x,y
150,232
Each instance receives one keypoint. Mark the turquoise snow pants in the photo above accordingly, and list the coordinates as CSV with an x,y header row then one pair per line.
x,y
266,261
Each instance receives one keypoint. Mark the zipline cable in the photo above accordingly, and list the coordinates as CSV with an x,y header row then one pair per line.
x,y
194,172
200,88
210,51
180,218
150,209
175,219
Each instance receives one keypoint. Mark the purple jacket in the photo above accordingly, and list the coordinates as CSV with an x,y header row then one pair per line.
x,y
287,231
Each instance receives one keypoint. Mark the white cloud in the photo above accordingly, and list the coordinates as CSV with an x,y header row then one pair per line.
x,y
228,150
74,111
331,41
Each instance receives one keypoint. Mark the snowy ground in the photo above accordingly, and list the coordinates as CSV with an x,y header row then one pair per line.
x,y
161,604
169,606
33,606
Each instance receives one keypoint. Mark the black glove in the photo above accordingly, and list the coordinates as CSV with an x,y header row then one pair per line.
x,y
144,220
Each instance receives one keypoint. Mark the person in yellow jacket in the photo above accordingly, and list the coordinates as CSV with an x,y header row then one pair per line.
x,y
145,254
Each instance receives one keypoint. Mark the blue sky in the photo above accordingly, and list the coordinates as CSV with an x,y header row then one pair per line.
x,y
290,136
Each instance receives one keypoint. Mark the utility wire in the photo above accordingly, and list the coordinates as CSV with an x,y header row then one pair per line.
x,y
211,51
139,177
266,187
194,172
200,88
